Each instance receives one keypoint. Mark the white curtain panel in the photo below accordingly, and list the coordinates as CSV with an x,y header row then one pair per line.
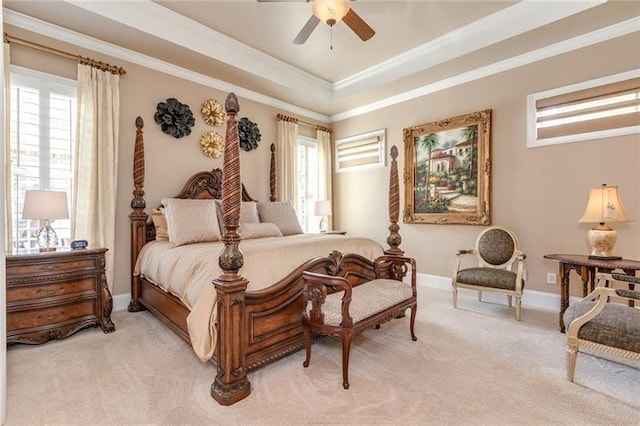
x,y
324,169
8,221
96,161
286,161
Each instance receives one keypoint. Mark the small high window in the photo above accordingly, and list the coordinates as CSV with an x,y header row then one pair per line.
x,y
605,107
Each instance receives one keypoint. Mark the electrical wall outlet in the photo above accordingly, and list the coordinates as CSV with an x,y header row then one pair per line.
x,y
552,278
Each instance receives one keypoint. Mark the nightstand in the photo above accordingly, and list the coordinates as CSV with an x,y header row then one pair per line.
x,y
51,295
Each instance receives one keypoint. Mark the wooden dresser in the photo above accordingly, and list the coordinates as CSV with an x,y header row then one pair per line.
x,y
51,295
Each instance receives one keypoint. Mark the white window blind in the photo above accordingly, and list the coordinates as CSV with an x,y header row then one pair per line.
x,y
605,107
43,116
361,151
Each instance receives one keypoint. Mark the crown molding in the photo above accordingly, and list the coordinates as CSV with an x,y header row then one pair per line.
x,y
53,31
163,23
509,22
68,36
617,30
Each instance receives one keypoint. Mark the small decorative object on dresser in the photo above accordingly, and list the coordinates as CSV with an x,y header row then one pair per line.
x,y
51,295
46,205
79,244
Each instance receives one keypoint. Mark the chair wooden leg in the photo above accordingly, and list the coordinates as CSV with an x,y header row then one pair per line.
x,y
455,297
479,296
572,354
509,301
306,334
412,322
346,348
518,307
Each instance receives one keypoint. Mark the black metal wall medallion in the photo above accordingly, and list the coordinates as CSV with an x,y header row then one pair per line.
x,y
248,133
174,118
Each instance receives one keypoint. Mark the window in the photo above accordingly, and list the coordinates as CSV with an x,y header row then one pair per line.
x,y
43,115
308,183
361,151
604,107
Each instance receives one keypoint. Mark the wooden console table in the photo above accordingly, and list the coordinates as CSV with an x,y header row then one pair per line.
x,y
587,269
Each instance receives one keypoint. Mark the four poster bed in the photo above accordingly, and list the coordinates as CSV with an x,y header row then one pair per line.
x,y
247,327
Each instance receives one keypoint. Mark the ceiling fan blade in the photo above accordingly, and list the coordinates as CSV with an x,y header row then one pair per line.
x,y
306,31
358,26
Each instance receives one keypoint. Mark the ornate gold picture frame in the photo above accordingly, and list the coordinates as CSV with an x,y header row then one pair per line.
x,y
448,171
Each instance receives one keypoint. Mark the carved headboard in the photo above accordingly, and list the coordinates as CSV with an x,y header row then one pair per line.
x,y
205,185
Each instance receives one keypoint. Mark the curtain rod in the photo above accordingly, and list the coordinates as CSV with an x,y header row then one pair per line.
x,y
283,117
85,61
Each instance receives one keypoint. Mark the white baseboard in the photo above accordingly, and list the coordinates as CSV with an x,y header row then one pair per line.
x,y
530,298
121,301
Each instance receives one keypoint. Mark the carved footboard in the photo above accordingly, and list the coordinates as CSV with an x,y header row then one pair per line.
x,y
253,328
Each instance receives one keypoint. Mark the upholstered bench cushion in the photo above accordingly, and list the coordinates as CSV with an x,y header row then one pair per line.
x,y
366,299
617,325
488,277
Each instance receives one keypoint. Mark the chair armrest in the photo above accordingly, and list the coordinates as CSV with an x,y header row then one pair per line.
x,y
626,278
315,291
601,295
521,256
395,268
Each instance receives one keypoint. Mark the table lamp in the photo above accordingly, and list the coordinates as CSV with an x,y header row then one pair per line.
x,y
604,205
46,205
323,208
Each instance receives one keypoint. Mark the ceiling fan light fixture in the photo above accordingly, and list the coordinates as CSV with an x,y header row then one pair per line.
x,y
330,11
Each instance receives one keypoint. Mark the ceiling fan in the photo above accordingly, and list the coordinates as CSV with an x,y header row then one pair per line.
x,y
331,12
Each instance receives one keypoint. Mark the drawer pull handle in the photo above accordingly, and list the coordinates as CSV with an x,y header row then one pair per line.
x,y
50,316
50,291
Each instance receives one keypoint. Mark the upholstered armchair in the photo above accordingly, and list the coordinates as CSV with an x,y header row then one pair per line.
x,y
497,249
600,322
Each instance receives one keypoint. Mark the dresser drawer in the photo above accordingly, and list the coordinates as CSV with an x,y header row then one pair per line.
x,y
36,291
57,266
51,315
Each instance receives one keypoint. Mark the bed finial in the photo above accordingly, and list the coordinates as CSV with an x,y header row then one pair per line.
x,y
272,173
138,167
394,239
231,105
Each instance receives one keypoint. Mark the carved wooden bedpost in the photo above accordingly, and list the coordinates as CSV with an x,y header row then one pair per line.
x,y
231,384
272,173
137,217
394,239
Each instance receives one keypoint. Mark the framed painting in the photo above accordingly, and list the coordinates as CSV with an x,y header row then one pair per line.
x,y
448,171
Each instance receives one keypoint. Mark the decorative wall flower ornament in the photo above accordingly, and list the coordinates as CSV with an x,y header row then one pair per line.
x,y
175,118
248,133
213,112
212,144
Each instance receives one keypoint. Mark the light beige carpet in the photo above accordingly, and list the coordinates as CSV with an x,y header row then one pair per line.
x,y
473,365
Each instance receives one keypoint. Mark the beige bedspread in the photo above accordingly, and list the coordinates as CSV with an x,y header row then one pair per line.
x,y
187,271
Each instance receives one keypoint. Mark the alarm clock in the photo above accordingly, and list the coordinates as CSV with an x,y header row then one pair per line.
x,y
79,244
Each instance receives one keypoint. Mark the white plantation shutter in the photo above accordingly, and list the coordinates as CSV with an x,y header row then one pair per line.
x,y
42,132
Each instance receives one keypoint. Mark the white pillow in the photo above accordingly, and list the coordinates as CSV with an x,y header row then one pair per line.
x,y
191,221
282,214
258,230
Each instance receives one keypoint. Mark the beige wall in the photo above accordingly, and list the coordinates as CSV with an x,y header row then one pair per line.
x,y
540,193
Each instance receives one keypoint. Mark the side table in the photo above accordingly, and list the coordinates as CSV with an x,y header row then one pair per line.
x,y
51,295
587,269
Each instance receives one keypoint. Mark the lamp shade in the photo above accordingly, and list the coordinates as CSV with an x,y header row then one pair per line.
x,y
604,205
45,205
323,208
330,11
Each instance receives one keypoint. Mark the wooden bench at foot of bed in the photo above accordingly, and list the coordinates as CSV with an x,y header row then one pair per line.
x,y
253,328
